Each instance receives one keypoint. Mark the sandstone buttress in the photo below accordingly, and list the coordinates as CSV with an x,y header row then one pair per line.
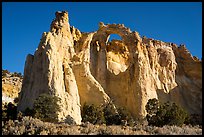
x,y
87,68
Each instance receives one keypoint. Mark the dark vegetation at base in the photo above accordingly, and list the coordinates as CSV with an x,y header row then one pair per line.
x,y
45,108
42,110
106,114
158,114
169,114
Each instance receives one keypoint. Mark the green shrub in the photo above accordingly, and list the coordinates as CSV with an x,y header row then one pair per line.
x,y
4,72
9,112
111,115
117,115
92,114
106,114
125,115
15,74
29,112
194,119
152,106
70,120
46,107
165,114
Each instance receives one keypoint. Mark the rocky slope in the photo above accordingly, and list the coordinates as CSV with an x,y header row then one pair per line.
x,y
87,68
11,85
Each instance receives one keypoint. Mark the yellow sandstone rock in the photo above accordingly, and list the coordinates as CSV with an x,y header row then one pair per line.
x,y
87,68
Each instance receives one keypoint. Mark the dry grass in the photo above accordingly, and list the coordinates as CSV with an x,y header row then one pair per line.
x,y
31,126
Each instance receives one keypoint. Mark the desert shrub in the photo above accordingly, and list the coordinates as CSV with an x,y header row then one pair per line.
x,y
124,115
164,114
152,106
29,112
194,119
92,114
46,107
4,72
70,120
117,115
9,112
106,114
111,115
15,74
19,116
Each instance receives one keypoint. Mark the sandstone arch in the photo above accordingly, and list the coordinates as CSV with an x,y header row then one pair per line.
x,y
117,74
99,44
114,37
84,55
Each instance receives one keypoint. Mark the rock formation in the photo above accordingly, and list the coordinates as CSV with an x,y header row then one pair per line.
x,y
11,85
88,68
49,70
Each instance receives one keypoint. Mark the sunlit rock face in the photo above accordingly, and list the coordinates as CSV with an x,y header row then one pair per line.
x,y
11,86
132,70
88,68
49,70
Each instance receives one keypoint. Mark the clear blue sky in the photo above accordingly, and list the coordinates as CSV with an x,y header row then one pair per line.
x,y
24,23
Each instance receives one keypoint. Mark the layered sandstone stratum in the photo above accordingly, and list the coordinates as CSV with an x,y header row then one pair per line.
x,y
85,67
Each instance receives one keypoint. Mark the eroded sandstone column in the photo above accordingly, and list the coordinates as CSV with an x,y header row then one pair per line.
x,y
49,71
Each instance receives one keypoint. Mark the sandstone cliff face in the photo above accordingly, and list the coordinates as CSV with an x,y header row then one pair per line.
x,y
49,70
87,68
188,93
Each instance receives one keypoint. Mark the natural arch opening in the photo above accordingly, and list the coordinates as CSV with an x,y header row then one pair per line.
x,y
117,54
114,42
114,37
